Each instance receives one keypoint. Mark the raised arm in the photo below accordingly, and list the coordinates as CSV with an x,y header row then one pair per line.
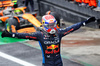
x,y
76,26
33,36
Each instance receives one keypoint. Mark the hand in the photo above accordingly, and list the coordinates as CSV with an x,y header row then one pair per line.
x,y
6,34
91,19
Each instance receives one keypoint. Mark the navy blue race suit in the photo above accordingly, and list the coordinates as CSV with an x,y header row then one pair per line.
x,y
50,45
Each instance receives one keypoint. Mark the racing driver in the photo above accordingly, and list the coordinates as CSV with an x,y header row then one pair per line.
x,y
49,37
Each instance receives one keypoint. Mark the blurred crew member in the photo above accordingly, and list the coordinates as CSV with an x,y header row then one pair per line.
x,y
93,3
31,4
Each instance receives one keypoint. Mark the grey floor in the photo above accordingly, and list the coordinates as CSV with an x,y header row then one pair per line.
x,y
26,53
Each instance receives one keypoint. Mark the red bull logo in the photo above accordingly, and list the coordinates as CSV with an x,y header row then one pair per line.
x,y
48,52
47,17
53,49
